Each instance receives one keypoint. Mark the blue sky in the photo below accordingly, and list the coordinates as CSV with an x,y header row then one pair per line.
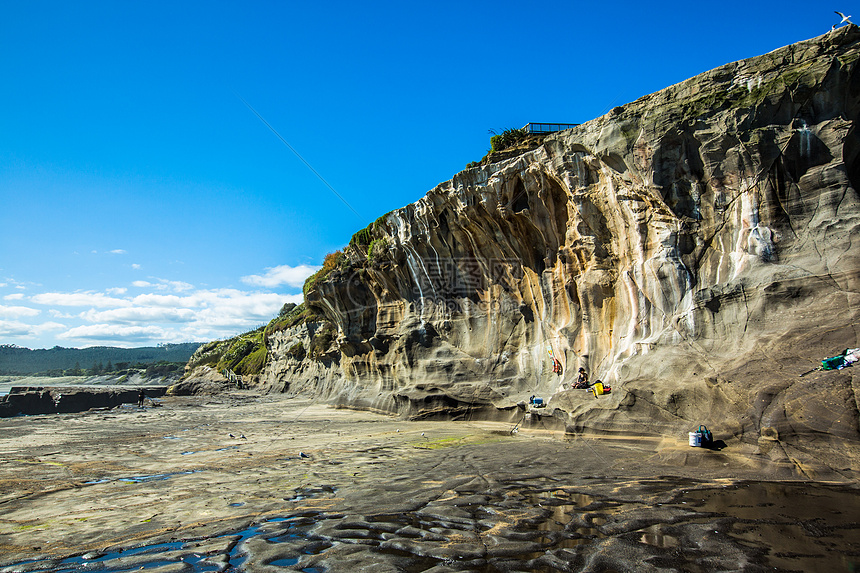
x,y
142,202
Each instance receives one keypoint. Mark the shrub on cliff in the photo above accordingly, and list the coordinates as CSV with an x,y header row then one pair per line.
x,y
381,223
506,139
247,353
243,354
362,237
242,346
507,143
321,341
330,263
298,315
297,351
209,354
377,246
367,236
253,362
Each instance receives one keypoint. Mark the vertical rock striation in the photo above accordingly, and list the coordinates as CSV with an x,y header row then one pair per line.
x,y
697,249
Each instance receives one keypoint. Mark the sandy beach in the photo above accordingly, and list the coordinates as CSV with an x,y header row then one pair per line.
x,y
250,482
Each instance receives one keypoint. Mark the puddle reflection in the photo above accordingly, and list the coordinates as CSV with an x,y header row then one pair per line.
x,y
523,527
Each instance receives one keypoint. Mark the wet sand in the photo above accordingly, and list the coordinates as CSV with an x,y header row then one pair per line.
x,y
271,483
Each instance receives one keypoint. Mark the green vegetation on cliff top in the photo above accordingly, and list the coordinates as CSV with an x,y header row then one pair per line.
x,y
330,263
246,353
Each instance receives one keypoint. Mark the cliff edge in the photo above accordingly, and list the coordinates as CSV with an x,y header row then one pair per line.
x,y
696,249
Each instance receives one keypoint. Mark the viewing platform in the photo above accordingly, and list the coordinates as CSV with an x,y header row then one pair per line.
x,y
547,127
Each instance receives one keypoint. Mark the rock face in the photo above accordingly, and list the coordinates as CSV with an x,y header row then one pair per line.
x,y
199,381
696,249
24,400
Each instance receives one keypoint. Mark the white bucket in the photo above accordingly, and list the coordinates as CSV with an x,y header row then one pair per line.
x,y
696,439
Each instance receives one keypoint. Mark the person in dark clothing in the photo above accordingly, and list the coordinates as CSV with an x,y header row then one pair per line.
x,y
582,379
141,396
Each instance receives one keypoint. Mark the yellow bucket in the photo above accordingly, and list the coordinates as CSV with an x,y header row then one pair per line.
x,y
597,389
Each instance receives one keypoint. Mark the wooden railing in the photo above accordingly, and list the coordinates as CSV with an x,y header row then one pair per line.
x,y
234,379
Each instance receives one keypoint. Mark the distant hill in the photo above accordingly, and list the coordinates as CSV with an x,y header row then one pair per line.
x,y
18,360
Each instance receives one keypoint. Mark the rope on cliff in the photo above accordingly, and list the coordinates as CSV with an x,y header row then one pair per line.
x,y
667,318
508,339
516,427
557,366
758,177
757,180
810,371
493,368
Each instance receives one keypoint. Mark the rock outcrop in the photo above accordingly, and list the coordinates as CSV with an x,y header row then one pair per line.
x,y
696,249
30,400
201,380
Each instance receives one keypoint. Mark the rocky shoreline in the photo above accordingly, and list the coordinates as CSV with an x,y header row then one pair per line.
x,y
247,482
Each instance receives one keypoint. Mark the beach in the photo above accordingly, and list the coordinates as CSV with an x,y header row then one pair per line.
x,y
248,482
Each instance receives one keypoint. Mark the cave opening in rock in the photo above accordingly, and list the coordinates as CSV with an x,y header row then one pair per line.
x,y
520,200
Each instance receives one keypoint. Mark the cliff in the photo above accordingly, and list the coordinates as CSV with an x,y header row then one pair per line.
x,y
695,249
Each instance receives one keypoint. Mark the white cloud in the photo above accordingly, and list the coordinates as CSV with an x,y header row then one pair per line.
x,y
139,314
14,296
13,328
164,300
17,311
57,314
48,326
135,266
148,312
96,299
204,314
230,304
178,286
294,298
164,284
7,282
118,335
118,252
9,328
281,275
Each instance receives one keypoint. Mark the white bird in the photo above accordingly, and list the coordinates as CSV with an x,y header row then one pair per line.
x,y
844,18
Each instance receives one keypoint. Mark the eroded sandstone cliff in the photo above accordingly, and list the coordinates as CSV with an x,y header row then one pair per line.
x,y
697,249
